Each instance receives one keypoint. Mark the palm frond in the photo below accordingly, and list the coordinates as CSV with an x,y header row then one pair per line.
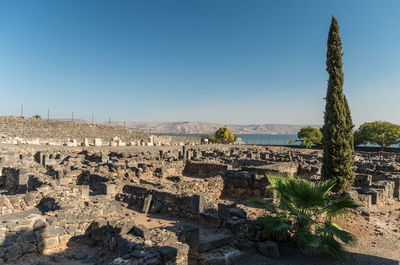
x,y
307,242
340,207
305,209
276,227
267,206
336,231
333,247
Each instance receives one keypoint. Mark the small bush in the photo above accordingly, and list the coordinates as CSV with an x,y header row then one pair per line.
x,y
224,135
305,215
37,116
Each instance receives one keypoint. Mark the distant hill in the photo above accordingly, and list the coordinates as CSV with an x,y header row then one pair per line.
x,y
205,127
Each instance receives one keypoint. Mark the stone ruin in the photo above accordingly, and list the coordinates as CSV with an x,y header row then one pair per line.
x,y
159,205
33,131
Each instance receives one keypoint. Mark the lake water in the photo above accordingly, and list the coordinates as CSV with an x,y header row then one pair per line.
x,y
267,139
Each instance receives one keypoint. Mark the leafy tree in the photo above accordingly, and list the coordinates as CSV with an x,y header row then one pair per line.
x,y
224,135
305,214
382,133
36,116
337,132
309,136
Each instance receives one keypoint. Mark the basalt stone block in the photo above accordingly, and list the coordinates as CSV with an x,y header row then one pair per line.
x,y
28,247
52,232
362,180
223,210
365,199
188,234
376,196
234,225
168,254
156,207
110,189
269,249
46,245
210,218
181,249
352,194
141,231
30,237
13,252
215,241
184,154
122,246
203,202
396,188
15,179
146,204
8,240
238,212
85,192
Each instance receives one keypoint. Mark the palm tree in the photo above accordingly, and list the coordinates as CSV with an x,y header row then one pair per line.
x,y
305,214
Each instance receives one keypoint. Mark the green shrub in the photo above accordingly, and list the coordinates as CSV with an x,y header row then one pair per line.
x,y
305,215
382,133
37,116
224,135
309,136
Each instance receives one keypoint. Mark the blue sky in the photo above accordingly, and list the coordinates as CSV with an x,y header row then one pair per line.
x,y
225,61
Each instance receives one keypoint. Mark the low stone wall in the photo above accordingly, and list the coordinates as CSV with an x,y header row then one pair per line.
x,y
149,246
374,193
154,201
204,169
285,168
242,184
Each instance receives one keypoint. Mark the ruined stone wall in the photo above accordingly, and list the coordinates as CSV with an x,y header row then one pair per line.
x,y
55,130
202,169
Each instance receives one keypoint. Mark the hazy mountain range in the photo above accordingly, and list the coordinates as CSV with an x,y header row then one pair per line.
x,y
205,127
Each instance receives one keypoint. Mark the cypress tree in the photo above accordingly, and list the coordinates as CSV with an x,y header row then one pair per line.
x,y
337,132
350,124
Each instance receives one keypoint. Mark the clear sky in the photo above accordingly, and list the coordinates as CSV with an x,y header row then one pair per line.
x,y
224,61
